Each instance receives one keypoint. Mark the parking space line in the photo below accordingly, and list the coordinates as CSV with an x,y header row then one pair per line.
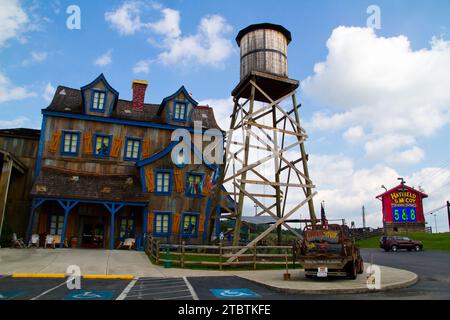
x,y
191,289
48,291
177,298
157,287
127,289
156,293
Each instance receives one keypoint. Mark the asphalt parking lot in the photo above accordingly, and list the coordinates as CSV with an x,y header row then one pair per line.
x,y
432,268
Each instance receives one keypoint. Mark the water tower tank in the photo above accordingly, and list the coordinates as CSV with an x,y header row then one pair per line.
x,y
264,49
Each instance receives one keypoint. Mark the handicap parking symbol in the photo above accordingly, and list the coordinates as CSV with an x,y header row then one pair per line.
x,y
233,293
8,295
89,295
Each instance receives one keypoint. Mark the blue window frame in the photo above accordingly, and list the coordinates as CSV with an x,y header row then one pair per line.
x,y
163,182
70,142
132,150
194,184
98,100
179,111
189,225
162,224
101,145
127,227
55,224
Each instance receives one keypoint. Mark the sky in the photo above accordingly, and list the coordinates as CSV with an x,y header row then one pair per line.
x,y
375,101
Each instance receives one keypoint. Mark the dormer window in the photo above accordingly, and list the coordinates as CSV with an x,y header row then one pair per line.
x,y
179,111
98,100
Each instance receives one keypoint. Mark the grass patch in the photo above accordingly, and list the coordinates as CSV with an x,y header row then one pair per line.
x,y
431,241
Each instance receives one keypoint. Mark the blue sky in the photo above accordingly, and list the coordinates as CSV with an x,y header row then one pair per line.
x,y
192,43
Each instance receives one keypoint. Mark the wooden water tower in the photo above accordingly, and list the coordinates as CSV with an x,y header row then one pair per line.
x,y
265,129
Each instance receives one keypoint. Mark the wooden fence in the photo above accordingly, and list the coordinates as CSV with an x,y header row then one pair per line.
x,y
184,255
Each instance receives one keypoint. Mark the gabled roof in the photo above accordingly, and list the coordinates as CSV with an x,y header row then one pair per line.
x,y
173,96
399,188
102,78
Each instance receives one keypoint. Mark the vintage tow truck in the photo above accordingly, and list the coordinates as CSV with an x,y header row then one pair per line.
x,y
327,250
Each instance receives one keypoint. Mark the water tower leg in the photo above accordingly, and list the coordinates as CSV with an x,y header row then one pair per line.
x,y
304,156
238,222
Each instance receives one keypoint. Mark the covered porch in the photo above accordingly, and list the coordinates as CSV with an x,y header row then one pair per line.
x,y
83,223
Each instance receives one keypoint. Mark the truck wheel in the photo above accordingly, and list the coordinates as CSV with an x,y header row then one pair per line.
x,y
352,270
394,248
361,266
417,248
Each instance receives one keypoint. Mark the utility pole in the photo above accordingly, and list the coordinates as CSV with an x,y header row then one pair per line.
x,y
364,217
435,223
448,212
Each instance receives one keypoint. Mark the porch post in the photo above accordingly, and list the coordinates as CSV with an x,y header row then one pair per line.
x,y
4,186
145,222
67,206
111,236
34,205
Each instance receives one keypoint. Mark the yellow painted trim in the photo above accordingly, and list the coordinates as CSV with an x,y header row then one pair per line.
x,y
112,276
38,275
140,82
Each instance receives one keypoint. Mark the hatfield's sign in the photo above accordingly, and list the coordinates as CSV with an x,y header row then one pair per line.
x,y
403,197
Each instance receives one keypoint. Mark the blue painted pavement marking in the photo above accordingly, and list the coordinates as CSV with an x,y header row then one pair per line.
x,y
233,293
8,295
89,295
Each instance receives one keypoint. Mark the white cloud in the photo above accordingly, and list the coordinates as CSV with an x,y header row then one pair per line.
x,y
49,92
169,25
354,134
13,21
104,60
142,66
35,56
19,122
9,92
208,46
126,18
222,110
409,156
383,85
39,56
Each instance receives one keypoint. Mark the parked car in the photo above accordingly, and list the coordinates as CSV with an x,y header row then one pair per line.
x,y
397,243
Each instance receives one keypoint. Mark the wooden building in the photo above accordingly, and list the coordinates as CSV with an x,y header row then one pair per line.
x,y
403,209
105,172
18,152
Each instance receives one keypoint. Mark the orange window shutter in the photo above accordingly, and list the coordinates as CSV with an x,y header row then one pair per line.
x,y
54,142
146,149
178,181
150,223
87,143
176,223
201,224
149,179
207,185
117,144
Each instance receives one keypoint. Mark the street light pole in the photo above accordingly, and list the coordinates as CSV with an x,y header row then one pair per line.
x,y
435,223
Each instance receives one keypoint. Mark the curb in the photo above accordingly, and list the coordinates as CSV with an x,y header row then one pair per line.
x,y
63,275
38,275
387,287
112,276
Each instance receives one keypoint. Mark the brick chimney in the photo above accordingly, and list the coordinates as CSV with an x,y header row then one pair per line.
x,y
139,87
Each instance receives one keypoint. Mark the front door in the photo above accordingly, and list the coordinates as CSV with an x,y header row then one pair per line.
x,y
93,232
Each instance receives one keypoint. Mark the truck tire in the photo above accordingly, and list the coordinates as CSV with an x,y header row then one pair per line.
x,y
352,270
417,248
361,266
394,248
